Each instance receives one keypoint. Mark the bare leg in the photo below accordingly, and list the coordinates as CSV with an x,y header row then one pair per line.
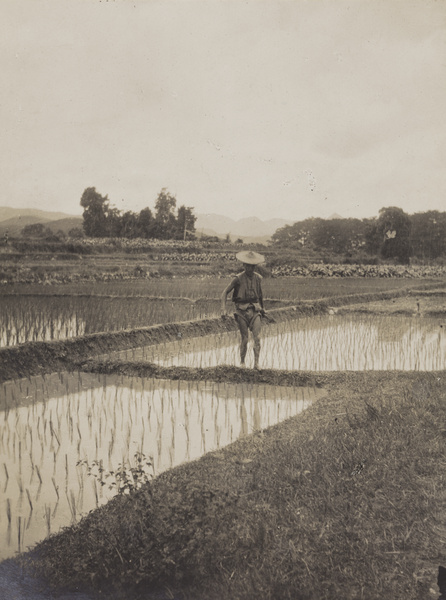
x,y
256,327
244,332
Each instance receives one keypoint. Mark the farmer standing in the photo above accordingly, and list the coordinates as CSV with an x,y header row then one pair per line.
x,y
247,296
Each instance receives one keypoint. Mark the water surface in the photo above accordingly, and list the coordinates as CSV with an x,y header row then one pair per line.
x,y
49,424
322,343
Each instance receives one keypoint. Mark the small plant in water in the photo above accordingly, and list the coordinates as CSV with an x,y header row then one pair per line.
x,y
126,477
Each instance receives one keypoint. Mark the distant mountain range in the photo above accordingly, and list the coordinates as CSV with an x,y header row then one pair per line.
x,y
250,229
40,215
13,220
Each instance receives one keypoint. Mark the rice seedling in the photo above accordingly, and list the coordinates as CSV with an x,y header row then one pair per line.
x,y
71,499
48,518
111,420
56,487
8,510
322,343
38,474
38,317
20,484
20,533
29,499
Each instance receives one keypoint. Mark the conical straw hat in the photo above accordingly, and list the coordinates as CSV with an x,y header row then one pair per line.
x,y
248,257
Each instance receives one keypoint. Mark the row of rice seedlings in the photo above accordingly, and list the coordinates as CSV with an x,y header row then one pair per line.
x,y
35,318
27,319
47,444
372,343
323,343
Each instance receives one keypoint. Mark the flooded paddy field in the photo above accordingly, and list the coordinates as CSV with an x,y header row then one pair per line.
x,y
32,312
39,318
67,441
54,429
420,303
320,343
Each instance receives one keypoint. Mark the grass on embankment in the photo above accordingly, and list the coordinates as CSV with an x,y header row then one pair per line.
x,y
345,501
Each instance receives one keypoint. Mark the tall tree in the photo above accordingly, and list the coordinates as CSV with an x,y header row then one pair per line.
x,y
96,212
185,223
428,236
372,236
394,227
165,220
146,223
102,220
129,225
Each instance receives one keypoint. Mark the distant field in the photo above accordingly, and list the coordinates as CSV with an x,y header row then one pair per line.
x,y
283,288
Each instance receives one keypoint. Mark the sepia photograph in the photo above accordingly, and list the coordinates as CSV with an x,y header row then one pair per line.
x,y
223,300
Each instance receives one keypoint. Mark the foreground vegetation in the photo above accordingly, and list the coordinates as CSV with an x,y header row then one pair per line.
x,y
344,501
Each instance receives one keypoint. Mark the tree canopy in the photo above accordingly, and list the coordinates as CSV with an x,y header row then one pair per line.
x,y
339,236
102,220
36,230
393,234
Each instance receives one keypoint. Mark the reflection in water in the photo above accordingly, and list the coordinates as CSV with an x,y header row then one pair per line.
x,y
326,343
48,424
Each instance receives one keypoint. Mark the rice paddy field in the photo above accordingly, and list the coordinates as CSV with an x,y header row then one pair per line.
x,y
164,470
41,313
54,429
319,343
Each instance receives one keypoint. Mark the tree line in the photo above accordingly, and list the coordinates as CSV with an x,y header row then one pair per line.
x,y
393,234
100,219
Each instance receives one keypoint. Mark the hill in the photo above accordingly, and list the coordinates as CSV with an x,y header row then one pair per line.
x,y
13,220
40,216
250,229
15,225
65,224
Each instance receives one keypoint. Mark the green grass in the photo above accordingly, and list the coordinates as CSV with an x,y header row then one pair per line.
x,y
346,501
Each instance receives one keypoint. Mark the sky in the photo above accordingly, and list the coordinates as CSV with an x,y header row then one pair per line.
x,y
289,109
